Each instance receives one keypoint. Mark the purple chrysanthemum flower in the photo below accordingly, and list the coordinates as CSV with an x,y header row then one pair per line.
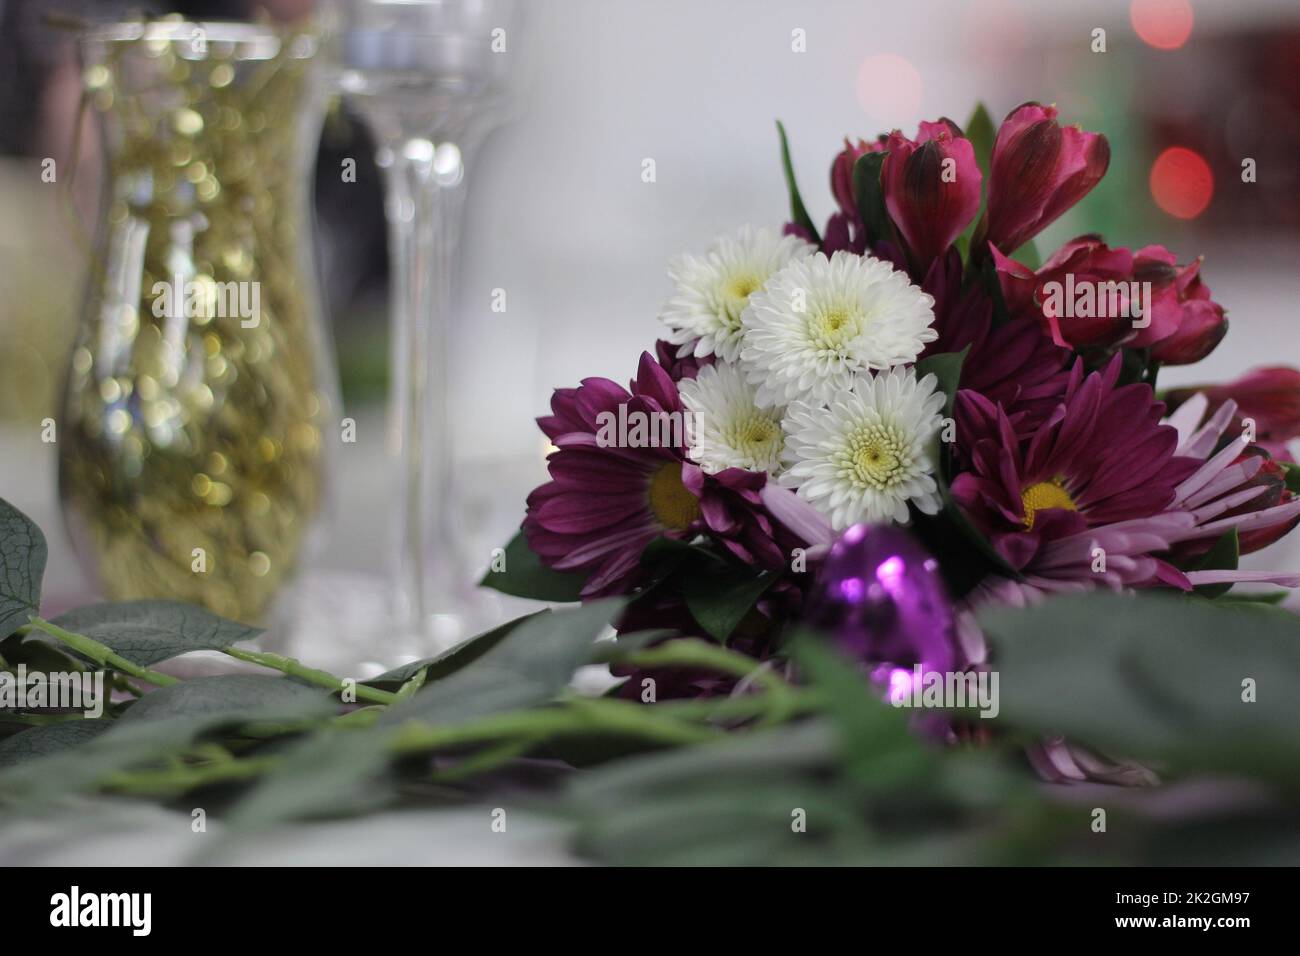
x,y
610,494
1099,472
1104,493
678,366
1234,488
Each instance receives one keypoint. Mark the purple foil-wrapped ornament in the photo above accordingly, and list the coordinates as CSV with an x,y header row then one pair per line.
x,y
881,598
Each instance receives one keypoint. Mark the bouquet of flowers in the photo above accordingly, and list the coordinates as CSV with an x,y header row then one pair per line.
x,y
907,411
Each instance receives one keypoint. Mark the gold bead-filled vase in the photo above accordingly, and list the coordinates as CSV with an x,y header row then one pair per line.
x,y
191,448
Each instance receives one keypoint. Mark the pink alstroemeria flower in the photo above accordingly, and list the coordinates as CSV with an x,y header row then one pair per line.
x,y
932,189
1088,295
1039,169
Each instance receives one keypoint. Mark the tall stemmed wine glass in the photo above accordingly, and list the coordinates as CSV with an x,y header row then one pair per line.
x,y
429,79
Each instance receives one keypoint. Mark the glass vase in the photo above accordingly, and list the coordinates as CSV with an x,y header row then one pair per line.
x,y
429,78
201,396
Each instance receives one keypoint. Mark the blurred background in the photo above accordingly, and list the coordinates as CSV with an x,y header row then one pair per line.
x,y
560,218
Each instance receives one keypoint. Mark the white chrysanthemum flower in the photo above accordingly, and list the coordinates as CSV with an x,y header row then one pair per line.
x,y
820,321
713,289
727,429
871,452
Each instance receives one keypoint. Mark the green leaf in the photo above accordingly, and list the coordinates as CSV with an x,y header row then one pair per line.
x,y
670,553
870,195
806,747
49,739
526,576
453,659
968,556
868,728
946,367
668,561
731,801
54,775
146,632
798,212
734,802
719,603
981,132
326,773
1222,556
22,565
1239,604
1155,677
530,666
1134,365
163,723
1259,598
988,277
241,698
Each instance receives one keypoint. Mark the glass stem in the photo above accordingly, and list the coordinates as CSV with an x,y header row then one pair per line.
x,y
425,198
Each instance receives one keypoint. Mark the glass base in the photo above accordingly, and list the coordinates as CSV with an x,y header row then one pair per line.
x,y
344,622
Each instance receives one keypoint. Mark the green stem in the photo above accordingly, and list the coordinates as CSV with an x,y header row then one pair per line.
x,y
121,683
180,779
603,715
614,717
287,665
415,683
102,655
212,753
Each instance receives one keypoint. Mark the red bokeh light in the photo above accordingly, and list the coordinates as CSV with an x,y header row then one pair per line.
x,y
1163,24
1181,182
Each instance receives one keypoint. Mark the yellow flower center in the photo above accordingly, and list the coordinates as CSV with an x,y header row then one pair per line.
x,y
754,435
671,502
741,286
735,296
1045,494
833,328
875,456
